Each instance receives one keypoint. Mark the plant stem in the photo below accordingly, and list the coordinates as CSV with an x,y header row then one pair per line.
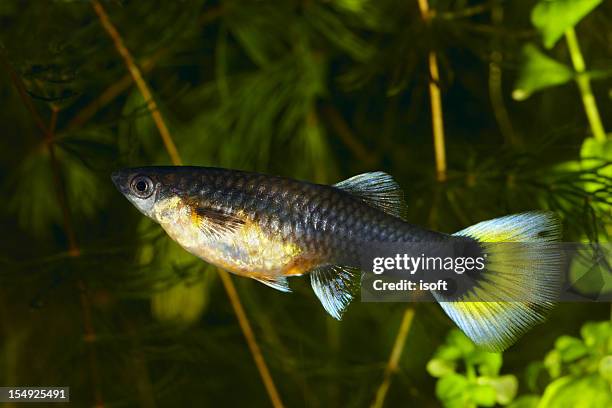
x,y
140,82
466,12
139,367
584,84
176,160
470,372
436,102
268,329
120,86
230,288
495,84
396,354
74,251
341,128
112,92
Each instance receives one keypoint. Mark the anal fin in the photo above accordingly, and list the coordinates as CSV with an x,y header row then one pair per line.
x,y
335,286
276,282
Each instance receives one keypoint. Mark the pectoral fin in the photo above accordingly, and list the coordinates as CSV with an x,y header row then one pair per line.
x,y
214,222
335,287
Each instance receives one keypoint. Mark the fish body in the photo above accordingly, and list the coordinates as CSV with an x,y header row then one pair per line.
x,y
266,226
270,228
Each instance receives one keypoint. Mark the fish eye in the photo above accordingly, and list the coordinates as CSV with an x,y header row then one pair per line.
x,y
142,186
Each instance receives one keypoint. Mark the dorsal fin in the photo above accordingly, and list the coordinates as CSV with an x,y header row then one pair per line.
x,y
377,189
277,282
335,287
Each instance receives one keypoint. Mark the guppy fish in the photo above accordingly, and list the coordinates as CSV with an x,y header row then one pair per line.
x,y
270,228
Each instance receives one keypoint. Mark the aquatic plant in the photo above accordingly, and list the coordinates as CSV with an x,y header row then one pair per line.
x,y
319,90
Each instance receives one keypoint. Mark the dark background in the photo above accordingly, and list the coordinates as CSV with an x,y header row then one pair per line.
x,y
94,296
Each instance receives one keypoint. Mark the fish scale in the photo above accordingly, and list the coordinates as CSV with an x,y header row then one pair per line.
x,y
269,228
308,215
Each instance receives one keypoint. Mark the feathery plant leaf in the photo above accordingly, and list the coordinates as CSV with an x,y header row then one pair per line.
x,y
34,200
248,85
185,302
35,188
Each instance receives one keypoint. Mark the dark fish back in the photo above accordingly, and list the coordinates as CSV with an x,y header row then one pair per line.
x,y
319,217
322,219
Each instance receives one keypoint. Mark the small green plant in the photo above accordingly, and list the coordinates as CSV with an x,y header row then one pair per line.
x,y
577,372
468,376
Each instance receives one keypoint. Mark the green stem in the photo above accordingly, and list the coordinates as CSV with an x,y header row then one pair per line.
x,y
396,354
470,371
496,94
584,84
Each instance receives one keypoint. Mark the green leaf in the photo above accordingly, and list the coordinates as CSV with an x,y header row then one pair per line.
x,y
532,375
459,340
552,362
488,363
553,390
262,30
596,335
34,198
332,27
553,17
138,134
356,6
588,275
182,281
505,387
448,352
582,392
570,348
525,401
605,368
594,153
83,190
438,367
539,71
593,148
452,390
184,302
484,395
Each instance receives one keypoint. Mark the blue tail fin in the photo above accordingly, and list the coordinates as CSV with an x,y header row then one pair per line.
x,y
528,270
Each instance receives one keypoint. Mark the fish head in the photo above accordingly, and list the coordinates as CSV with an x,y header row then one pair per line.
x,y
142,186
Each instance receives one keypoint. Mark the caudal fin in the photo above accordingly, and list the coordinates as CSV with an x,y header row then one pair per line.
x,y
526,269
